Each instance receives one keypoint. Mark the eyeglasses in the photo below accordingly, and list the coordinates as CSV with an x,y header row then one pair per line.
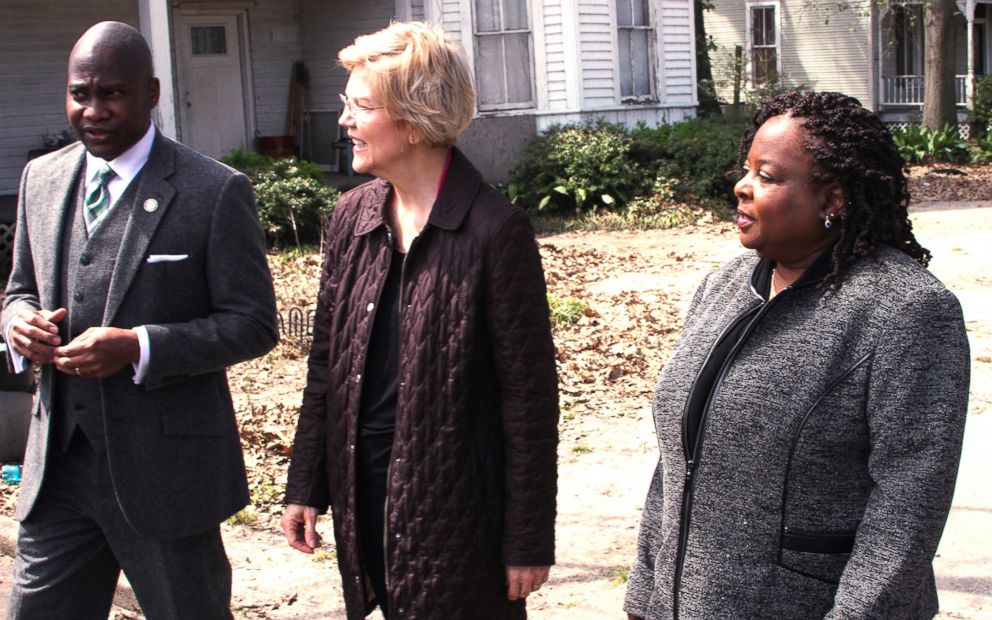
x,y
356,107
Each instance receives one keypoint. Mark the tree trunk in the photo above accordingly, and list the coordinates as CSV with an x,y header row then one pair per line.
x,y
708,104
939,107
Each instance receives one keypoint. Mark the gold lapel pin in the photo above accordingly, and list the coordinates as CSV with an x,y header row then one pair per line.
x,y
150,205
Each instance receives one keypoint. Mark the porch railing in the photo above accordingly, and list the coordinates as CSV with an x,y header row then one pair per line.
x,y
908,89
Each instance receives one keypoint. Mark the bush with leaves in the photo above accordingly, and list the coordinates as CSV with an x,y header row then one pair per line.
x,y
917,144
698,156
980,115
584,167
579,168
293,200
980,151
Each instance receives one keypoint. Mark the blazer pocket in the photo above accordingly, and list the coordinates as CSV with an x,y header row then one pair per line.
x,y
198,422
820,555
197,407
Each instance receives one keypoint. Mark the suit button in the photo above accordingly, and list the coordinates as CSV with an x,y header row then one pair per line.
x,y
84,260
370,307
78,296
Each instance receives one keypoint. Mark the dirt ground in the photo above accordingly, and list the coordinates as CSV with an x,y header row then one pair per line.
x,y
608,449
637,286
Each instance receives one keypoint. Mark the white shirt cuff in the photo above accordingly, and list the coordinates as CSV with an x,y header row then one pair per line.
x,y
17,360
141,368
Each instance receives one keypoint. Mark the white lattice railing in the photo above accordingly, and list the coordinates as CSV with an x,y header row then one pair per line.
x,y
908,89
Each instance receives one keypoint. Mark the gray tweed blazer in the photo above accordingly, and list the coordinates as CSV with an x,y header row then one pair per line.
x,y
828,455
172,442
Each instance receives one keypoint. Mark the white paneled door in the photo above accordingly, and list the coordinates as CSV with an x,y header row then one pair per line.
x,y
211,92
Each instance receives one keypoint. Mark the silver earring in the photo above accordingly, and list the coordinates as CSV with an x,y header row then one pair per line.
x,y
828,222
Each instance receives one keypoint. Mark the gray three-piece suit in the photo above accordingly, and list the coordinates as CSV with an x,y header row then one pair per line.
x,y
156,465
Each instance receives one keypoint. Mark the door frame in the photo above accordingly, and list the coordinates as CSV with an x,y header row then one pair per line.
x,y
247,84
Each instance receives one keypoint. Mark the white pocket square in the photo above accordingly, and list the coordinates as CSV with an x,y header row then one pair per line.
x,y
166,258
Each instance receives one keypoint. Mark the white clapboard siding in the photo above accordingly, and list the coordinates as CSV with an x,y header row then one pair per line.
x,y
275,46
821,47
725,25
34,49
677,66
417,10
452,19
629,116
596,54
827,49
555,55
326,29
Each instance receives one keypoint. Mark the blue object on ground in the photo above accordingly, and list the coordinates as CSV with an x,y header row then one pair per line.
x,y
11,474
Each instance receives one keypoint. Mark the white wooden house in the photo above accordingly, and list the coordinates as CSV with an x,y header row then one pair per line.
x,y
226,67
868,49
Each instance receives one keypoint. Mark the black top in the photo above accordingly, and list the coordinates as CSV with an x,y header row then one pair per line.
x,y
377,416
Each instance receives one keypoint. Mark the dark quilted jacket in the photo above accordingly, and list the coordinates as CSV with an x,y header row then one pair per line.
x,y
472,480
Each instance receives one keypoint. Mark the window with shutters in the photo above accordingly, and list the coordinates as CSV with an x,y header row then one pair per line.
x,y
503,65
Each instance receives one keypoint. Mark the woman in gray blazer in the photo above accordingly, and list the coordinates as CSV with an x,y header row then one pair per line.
x,y
810,418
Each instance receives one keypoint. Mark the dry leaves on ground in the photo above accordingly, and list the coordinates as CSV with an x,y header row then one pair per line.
x,y
612,354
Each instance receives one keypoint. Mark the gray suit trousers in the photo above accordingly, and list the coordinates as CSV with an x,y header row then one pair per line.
x,y
73,546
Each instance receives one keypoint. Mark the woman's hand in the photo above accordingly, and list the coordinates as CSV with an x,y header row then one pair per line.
x,y
299,526
522,580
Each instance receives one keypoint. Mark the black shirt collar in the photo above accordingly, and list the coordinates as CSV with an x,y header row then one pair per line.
x,y
814,274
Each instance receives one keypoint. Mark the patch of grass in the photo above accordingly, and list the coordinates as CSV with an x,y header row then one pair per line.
x,y
984,358
291,253
581,449
620,576
324,555
568,417
565,311
266,493
246,516
601,220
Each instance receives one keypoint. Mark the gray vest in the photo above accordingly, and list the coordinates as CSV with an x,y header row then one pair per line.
x,y
86,266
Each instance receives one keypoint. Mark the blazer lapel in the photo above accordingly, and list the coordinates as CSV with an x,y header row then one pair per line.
x,y
55,199
146,215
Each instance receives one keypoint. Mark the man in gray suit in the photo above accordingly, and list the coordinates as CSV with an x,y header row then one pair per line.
x,y
139,275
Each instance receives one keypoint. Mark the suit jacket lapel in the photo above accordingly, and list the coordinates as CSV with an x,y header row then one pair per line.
x,y
55,199
143,222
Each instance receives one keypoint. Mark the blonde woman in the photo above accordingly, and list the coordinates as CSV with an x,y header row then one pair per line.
x,y
429,419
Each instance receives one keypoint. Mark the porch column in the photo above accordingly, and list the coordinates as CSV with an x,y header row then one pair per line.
x,y
969,81
154,20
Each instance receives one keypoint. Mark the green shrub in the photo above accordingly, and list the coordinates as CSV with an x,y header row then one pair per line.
x,y
699,156
912,143
293,199
918,144
577,167
980,115
565,311
981,151
581,168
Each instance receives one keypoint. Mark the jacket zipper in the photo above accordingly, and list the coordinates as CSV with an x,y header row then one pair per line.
x,y
692,456
399,370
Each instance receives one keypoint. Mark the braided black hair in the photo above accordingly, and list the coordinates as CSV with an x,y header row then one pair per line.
x,y
850,145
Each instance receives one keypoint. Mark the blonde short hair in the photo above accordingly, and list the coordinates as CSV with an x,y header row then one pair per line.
x,y
421,76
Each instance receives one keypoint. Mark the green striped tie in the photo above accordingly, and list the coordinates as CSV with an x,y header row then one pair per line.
x,y
97,202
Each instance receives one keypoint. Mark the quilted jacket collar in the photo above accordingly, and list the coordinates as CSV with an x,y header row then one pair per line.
x,y
460,188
